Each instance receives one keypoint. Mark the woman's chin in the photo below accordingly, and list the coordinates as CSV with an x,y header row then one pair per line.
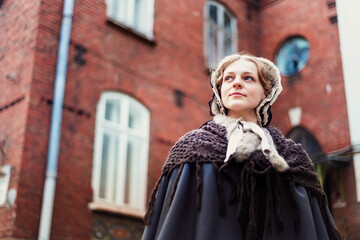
x,y
242,113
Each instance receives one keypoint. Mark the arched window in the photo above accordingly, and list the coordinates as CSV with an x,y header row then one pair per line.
x,y
220,32
121,151
292,56
309,143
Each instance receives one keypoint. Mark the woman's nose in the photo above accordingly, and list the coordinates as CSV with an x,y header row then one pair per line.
x,y
237,82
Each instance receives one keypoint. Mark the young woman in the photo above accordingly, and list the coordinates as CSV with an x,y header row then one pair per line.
x,y
236,177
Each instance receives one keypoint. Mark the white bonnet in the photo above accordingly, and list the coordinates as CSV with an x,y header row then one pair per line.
x,y
272,74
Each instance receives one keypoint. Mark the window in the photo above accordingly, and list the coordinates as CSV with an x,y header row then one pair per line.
x,y
121,151
292,56
220,33
135,14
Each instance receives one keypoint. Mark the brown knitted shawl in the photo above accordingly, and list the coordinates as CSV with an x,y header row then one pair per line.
x,y
208,144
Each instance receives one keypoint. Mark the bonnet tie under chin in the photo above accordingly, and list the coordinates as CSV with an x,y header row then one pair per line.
x,y
246,137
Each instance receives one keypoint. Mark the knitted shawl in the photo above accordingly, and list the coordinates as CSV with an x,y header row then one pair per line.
x,y
208,144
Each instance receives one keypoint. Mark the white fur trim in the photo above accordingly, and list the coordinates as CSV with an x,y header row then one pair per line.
x,y
247,137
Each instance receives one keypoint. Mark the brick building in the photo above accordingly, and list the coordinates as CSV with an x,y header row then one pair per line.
x,y
136,79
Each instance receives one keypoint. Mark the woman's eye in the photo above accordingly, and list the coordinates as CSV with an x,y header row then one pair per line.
x,y
249,78
228,78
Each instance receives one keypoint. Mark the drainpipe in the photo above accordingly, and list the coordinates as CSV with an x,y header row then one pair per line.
x,y
55,129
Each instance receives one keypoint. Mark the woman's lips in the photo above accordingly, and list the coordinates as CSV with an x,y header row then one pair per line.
x,y
237,94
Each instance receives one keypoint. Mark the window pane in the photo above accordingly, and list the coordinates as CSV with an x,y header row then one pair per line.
x,y
138,8
212,46
132,166
228,49
114,166
104,165
114,9
227,23
293,55
113,110
134,118
213,16
109,159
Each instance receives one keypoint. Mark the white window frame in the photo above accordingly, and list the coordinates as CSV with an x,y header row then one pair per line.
x,y
219,27
138,187
137,15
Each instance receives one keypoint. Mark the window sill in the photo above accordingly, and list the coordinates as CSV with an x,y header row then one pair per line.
x,y
130,30
116,209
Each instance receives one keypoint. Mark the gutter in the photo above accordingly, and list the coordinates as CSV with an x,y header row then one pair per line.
x,y
55,128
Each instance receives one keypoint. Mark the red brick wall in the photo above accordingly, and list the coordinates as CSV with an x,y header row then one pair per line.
x,y
117,60
18,26
323,114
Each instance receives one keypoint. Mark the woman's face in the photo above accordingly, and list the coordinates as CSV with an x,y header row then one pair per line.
x,y
241,90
